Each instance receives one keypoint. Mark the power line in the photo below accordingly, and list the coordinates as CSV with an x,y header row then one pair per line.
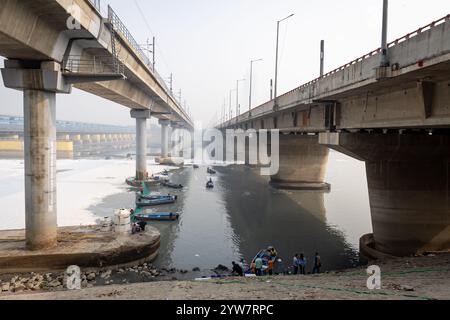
x,y
147,24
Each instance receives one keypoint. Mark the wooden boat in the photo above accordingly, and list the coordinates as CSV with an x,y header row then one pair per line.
x,y
165,173
155,202
209,185
266,255
171,185
160,216
211,171
156,197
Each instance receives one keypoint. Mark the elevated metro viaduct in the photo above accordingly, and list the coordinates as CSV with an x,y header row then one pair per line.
x,y
53,45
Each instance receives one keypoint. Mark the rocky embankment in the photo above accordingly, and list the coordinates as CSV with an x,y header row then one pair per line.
x,y
34,282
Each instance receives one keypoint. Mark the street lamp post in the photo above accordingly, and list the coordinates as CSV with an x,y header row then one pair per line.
x,y
238,111
251,84
276,57
384,45
230,111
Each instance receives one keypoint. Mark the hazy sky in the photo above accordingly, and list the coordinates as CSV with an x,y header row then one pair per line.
x,y
208,45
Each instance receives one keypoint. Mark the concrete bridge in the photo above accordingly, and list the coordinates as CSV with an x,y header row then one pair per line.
x,y
395,118
54,45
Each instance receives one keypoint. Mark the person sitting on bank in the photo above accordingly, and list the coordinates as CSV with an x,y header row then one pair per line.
x,y
237,270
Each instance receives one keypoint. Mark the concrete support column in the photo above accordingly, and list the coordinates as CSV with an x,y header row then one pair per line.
x,y
164,138
141,117
40,169
408,177
39,81
303,163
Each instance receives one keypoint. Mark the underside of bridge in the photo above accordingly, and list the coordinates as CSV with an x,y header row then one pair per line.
x,y
396,119
408,177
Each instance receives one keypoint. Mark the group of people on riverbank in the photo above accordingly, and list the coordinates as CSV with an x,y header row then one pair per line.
x,y
300,263
261,267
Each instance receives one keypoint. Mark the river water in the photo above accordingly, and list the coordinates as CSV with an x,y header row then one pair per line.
x,y
236,219
243,214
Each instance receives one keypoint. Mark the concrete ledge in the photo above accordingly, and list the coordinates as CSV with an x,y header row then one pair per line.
x,y
287,185
86,247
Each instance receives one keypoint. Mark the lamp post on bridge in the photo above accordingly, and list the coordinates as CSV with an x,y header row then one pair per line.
x,y
251,83
384,45
238,111
230,112
276,58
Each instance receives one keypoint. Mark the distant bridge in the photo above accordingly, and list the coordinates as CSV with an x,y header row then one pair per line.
x,y
14,124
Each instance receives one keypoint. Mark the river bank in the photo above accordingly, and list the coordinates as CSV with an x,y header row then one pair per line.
x,y
417,278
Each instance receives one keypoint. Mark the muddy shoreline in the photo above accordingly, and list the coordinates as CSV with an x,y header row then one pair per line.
x,y
416,278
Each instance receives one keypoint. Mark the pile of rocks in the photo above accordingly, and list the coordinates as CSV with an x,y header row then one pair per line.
x,y
89,279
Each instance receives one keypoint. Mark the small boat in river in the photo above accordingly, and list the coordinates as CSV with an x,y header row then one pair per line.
x,y
196,166
157,197
172,185
159,216
270,254
209,185
141,202
211,171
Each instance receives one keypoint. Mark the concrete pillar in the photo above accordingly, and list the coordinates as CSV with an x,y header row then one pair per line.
x,y
40,169
39,82
408,177
141,117
303,163
164,138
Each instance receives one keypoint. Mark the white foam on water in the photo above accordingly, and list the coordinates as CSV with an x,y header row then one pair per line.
x,y
81,184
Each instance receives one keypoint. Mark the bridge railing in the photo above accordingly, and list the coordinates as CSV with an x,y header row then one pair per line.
x,y
93,65
96,4
120,27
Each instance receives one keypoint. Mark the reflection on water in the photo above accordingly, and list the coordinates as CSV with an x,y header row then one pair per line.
x,y
242,215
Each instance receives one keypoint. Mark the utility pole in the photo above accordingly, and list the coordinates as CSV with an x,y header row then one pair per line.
x,y
322,57
271,89
171,83
238,111
276,56
251,84
384,45
154,53
231,98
